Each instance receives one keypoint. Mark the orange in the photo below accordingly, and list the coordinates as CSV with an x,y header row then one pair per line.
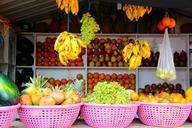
x,y
134,96
102,76
163,94
107,77
114,76
96,81
89,75
120,76
89,81
172,23
96,75
125,76
166,21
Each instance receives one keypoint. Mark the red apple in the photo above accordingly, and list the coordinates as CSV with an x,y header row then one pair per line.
x,y
90,58
89,51
96,52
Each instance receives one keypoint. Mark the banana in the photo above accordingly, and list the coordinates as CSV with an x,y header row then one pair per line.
x,y
65,45
134,12
68,46
76,7
63,58
81,43
75,47
59,2
60,39
132,65
134,52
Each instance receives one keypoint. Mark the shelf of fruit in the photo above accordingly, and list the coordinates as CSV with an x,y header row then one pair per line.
x,y
105,53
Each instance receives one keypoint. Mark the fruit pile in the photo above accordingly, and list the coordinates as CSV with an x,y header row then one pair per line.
x,y
180,59
38,92
63,81
46,56
108,93
128,81
164,87
164,97
106,52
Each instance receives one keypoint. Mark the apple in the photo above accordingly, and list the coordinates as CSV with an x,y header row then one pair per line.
x,y
97,64
107,47
96,52
120,64
63,81
115,52
119,58
108,51
114,64
96,46
90,58
83,51
96,40
102,46
90,46
108,40
101,58
113,59
109,64
114,41
102,40
104,64
107,58
95,58
114,47
91,64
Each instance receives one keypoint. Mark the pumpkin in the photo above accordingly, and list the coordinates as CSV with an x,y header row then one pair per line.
x,y
160,26
166,21
172,23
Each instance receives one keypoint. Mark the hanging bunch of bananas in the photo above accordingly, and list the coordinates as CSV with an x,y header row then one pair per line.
x,y
134,51
68,5
68,46
134,12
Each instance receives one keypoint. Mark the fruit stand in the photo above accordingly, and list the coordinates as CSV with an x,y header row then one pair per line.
x,y
101,64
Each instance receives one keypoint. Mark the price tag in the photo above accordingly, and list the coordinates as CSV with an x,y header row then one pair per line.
x,y
119,6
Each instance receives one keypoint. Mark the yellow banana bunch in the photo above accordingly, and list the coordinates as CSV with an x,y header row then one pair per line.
x,y
68,46
134,12
68,5
135,51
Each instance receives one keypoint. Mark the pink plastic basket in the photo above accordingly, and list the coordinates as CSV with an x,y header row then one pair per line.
x,y
7,115
49,116
108,116
190,116
163,115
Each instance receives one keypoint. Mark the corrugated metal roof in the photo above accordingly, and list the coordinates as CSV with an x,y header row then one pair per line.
x,y
18,10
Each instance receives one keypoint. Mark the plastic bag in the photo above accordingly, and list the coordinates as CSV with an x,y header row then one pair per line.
x,y
166,68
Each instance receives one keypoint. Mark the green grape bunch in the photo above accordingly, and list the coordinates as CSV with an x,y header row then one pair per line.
x,y
88,28
108,93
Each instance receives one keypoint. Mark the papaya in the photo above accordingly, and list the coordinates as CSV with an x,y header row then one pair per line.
x,y
9,93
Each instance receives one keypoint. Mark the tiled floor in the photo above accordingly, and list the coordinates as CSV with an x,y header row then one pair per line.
x,y
80,124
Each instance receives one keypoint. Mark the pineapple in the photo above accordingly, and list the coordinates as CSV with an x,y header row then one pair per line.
x,y
35,87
